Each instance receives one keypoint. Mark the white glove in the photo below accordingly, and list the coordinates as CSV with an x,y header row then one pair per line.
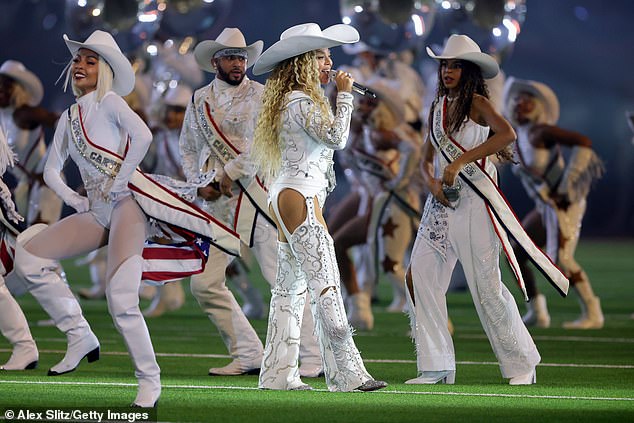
x,y
78,202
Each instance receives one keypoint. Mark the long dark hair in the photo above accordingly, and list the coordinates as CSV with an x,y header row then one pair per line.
x,y
471,82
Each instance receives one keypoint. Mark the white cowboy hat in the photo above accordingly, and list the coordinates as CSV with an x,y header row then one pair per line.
x,y
228,38
542,92
464,48
30,82
102,43
178,96
302,38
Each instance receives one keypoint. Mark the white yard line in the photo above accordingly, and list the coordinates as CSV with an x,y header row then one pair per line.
x,y
384,392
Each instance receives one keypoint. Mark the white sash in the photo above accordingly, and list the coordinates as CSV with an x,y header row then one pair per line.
x,y
253,196
156,200
502,216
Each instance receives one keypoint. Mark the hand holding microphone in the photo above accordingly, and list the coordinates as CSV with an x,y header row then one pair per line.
x,y
358,88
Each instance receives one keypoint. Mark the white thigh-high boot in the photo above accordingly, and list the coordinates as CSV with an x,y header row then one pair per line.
x,y
288,299
58,301
123,304
217,301
14,327
314,249
265,251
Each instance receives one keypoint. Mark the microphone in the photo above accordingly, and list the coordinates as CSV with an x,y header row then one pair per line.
x,y
358,88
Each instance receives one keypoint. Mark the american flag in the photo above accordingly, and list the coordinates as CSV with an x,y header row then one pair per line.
x,y
183,254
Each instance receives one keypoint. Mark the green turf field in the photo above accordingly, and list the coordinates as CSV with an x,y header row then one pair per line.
x,y
584,375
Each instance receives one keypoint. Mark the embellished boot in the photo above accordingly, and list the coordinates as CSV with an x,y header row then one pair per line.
x,y
314,249
288,298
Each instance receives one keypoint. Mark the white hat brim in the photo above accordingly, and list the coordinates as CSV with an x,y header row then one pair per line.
x,y
332,36
205,51
30,82
547,96
487,64
123,82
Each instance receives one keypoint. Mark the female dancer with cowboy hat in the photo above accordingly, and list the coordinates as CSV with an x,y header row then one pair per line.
x,y
294,142
462,221
99,74
21,121
559,188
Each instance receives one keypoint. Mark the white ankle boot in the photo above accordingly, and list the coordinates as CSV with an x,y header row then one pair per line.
x,y
123,305
529,378
15,328
433,377
58,301
591,313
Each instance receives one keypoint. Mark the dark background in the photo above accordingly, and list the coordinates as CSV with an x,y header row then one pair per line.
x,y
580,48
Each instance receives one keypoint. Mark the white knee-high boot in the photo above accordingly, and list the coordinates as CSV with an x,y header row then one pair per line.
x,y
288,298
58,301
15,328
314,249
123,304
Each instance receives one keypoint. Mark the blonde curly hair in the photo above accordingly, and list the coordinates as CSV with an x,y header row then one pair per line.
x,y
299,73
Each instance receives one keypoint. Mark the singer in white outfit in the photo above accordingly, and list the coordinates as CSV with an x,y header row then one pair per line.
x,y
225,111
295,139
463,229
99,75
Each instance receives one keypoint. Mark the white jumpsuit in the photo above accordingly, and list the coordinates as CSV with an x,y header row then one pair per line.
x,y
465,234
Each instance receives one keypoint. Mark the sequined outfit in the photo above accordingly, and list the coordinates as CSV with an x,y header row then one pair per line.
x,y
464,233
307,262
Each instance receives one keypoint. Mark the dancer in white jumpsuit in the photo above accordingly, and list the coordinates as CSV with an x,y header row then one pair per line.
x,y
462,229
100,74
229,107
294,142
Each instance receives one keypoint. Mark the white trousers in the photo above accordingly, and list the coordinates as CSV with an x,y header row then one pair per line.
x,y
472,240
